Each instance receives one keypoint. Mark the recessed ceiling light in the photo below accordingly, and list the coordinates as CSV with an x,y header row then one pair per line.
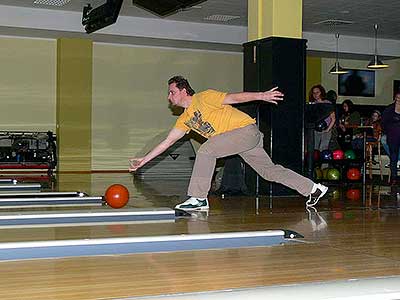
x,y
221,18
51,2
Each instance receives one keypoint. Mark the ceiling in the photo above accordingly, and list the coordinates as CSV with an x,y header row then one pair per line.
x,y
363,14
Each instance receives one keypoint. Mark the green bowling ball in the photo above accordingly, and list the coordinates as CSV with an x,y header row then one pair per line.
x,y
349,154
333,174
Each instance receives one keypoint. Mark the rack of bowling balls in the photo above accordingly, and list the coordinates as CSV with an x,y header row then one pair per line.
x,y
343,166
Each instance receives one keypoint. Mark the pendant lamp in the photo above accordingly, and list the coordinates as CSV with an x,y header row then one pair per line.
x,y
337,69
375,62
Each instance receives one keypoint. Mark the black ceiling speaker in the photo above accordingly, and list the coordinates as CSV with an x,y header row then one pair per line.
x,y
164,8
96,18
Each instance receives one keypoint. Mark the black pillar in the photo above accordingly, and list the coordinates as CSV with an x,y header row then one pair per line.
x,y
268,63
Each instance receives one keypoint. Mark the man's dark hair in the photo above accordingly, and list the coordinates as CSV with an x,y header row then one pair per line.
x,y
182,83
331,95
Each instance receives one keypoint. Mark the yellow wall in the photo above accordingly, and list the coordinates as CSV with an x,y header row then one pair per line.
x,y
313,75
130,107
278,18
74,104
27,84
383,80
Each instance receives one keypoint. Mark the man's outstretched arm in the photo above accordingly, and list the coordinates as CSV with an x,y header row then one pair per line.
x,y
173,136
271,96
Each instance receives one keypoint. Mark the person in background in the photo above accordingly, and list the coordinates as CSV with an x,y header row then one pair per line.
x,y
375,121
386,148
391,126
349,117
322,138
332,96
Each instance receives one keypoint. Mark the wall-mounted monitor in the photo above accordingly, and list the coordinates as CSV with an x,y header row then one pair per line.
x,y
358,83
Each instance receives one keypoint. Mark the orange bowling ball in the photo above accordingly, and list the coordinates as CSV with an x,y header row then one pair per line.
x,y
117,196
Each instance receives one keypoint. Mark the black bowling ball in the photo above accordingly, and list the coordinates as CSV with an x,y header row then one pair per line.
x,y
321,126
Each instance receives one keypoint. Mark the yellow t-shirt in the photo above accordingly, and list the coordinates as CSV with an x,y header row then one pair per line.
x,y
208,116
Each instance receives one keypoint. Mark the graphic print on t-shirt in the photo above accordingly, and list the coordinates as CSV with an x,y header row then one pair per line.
x,y
196,123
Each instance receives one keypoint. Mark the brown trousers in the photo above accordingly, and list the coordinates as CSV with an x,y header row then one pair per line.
x,y
248,143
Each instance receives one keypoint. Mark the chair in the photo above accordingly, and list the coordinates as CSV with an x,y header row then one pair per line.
x,y
371,193
370,146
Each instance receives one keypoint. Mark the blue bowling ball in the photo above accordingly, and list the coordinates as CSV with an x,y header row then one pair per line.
x,y
326,155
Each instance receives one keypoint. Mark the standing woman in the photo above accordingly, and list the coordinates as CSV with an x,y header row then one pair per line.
x,y
391,125
322,138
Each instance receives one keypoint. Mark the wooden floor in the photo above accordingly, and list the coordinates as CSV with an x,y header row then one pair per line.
x,y
344,239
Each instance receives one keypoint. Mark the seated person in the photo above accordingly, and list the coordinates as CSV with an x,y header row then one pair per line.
x,y
347,120
375,120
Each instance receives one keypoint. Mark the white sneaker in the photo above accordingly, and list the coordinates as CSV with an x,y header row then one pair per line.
x,y
194,203
316,220
318,191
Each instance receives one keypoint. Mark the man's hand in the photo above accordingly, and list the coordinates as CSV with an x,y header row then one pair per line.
x,y
272,96
136,163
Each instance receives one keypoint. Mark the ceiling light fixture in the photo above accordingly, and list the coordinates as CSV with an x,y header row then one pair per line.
x,y
375,62
51,2
337,69
221,18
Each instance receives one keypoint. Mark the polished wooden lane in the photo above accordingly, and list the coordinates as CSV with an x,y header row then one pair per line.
x,y
135,275
342,240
